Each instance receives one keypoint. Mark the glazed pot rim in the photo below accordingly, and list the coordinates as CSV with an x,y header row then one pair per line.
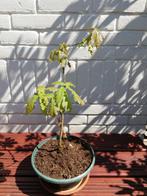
x,y
62,181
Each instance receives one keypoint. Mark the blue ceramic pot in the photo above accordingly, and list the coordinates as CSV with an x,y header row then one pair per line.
x,y
62,181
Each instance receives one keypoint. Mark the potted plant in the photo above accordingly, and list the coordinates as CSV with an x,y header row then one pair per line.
x,y
63,161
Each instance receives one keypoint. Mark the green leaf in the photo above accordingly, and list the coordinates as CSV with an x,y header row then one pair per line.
x,y
60,55
41,90
96,38
31,103
58,83
68,106
69,84
53,109
76,97
52,89
59,96
51,57
43,99
93,40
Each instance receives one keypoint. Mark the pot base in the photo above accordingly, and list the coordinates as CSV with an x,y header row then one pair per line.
x,y
57,190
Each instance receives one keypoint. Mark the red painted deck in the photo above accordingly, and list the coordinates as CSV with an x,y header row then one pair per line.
x,y
121,166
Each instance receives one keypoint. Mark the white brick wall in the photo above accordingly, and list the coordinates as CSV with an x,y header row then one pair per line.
x,y
17,6
113,81
5,22
38,22
18,37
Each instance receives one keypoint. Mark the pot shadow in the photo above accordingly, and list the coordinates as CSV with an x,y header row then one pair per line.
x,y
3,171
27,181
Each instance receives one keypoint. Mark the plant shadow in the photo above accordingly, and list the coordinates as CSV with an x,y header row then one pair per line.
x,y
110,157
26,180
122,156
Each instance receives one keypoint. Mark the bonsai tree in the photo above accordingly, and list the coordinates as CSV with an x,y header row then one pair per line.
x,y
55,100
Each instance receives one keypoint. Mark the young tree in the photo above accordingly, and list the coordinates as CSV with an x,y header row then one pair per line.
x,y
55,100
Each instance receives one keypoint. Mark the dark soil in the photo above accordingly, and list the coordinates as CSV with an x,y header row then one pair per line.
x,y
67,162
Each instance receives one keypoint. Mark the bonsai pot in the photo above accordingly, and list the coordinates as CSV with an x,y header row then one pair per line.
x,y
63,186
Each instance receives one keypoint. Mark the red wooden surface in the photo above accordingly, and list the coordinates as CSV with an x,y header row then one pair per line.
x,y
120,169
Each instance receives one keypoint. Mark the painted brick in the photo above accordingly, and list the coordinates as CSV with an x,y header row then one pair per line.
x,y
11,108
15,83
132,22
74,21
91,109
5,22
102,74
126,109
33,53
108,76
128,38
18,37
71,73
122,81
13,128
107,22
3,118
83,79
26,119
103,53
108,120
137,120
55,37
130,53
28,78
87,129
41,72
136,78
119,6
76,120
7,52
138,82
17,6
54,72
125,129
71,119
5,95
43,128
144,39
65,6
42,21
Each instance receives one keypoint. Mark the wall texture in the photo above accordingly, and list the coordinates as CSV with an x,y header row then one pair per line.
x,y
113,81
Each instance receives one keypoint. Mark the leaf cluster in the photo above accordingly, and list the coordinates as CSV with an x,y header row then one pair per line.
x,y
60,54
93,40
55,99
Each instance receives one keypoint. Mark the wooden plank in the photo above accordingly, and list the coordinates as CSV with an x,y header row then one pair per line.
x,y
95,186
100,142
101,156
120,168
20,141
107,164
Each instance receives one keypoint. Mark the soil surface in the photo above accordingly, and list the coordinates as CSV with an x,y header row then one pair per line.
x,y
67,162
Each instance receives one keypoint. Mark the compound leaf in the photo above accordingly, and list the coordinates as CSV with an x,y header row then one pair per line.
x,y
31,103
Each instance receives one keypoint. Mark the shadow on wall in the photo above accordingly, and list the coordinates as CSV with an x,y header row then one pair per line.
x,y
114,78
